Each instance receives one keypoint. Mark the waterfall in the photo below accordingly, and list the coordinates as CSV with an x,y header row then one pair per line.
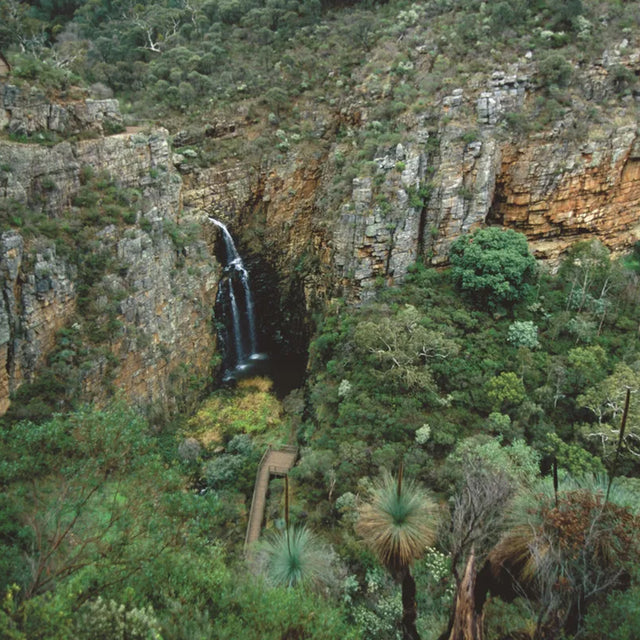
x,y
237,310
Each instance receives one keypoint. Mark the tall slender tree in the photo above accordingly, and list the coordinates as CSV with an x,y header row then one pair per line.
x,y
398,523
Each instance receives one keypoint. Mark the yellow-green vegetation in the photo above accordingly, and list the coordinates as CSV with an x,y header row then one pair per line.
x,y
250,408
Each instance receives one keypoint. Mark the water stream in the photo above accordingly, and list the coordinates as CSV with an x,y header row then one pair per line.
x,y
237,313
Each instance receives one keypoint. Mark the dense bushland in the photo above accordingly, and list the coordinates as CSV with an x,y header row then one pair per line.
x,y
195,61
476,382
107,523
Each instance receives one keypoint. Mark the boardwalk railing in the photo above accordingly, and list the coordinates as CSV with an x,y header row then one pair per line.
x,y
276,462
256,484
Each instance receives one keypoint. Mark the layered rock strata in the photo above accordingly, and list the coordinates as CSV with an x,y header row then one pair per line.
x,y
556,198
31,112
164,278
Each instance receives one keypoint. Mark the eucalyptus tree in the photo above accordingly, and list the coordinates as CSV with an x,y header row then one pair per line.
x,y
606,401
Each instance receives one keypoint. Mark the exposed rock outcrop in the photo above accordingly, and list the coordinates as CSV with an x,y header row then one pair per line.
x,y
28,112
470,166
163,281
38,299
557,196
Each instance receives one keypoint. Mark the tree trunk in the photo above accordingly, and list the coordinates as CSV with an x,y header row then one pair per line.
x,y
409,606
467,613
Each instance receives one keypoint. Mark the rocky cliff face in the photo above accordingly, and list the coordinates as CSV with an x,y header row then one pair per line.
x,y
556,199
310,224
38,299
29,112
464,164
156,297
498,151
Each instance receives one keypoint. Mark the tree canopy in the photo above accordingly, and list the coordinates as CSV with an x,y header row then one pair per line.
x,y
493,266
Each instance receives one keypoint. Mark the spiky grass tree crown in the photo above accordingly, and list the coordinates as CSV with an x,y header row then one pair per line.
x,y
297,557
399,522
547,529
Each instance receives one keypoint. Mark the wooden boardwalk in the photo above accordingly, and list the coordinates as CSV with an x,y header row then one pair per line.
x,y
275,462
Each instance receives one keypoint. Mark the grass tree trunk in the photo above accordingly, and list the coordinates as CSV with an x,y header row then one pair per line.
x,y
467,617
409,605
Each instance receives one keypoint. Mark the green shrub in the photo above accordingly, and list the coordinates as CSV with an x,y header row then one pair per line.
x,y
619,615
554,71
523,333
107,620
494,266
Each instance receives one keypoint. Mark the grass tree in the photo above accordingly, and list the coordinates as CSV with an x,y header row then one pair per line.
x,y
566,550
399,523
296,557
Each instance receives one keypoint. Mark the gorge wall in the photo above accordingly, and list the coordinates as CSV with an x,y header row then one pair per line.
x,y
310,225
485,153
155,296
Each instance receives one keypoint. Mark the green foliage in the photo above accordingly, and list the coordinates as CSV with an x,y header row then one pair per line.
x,y
235,468
504,617
505,391
412,374
98,461
257,613
8,626
404,347
622,78
434,572
573,457
494,266
118,536
45,71
554,71
375,607
606,402
181,235
632,260
296,557
586,267
419,198
523,333
46,617
587,365
500,424
517,461
619,614
107,620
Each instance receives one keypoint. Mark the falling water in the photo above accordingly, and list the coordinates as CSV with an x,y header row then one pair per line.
x,y
234,297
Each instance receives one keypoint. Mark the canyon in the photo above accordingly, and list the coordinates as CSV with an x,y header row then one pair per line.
x,y
458,166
